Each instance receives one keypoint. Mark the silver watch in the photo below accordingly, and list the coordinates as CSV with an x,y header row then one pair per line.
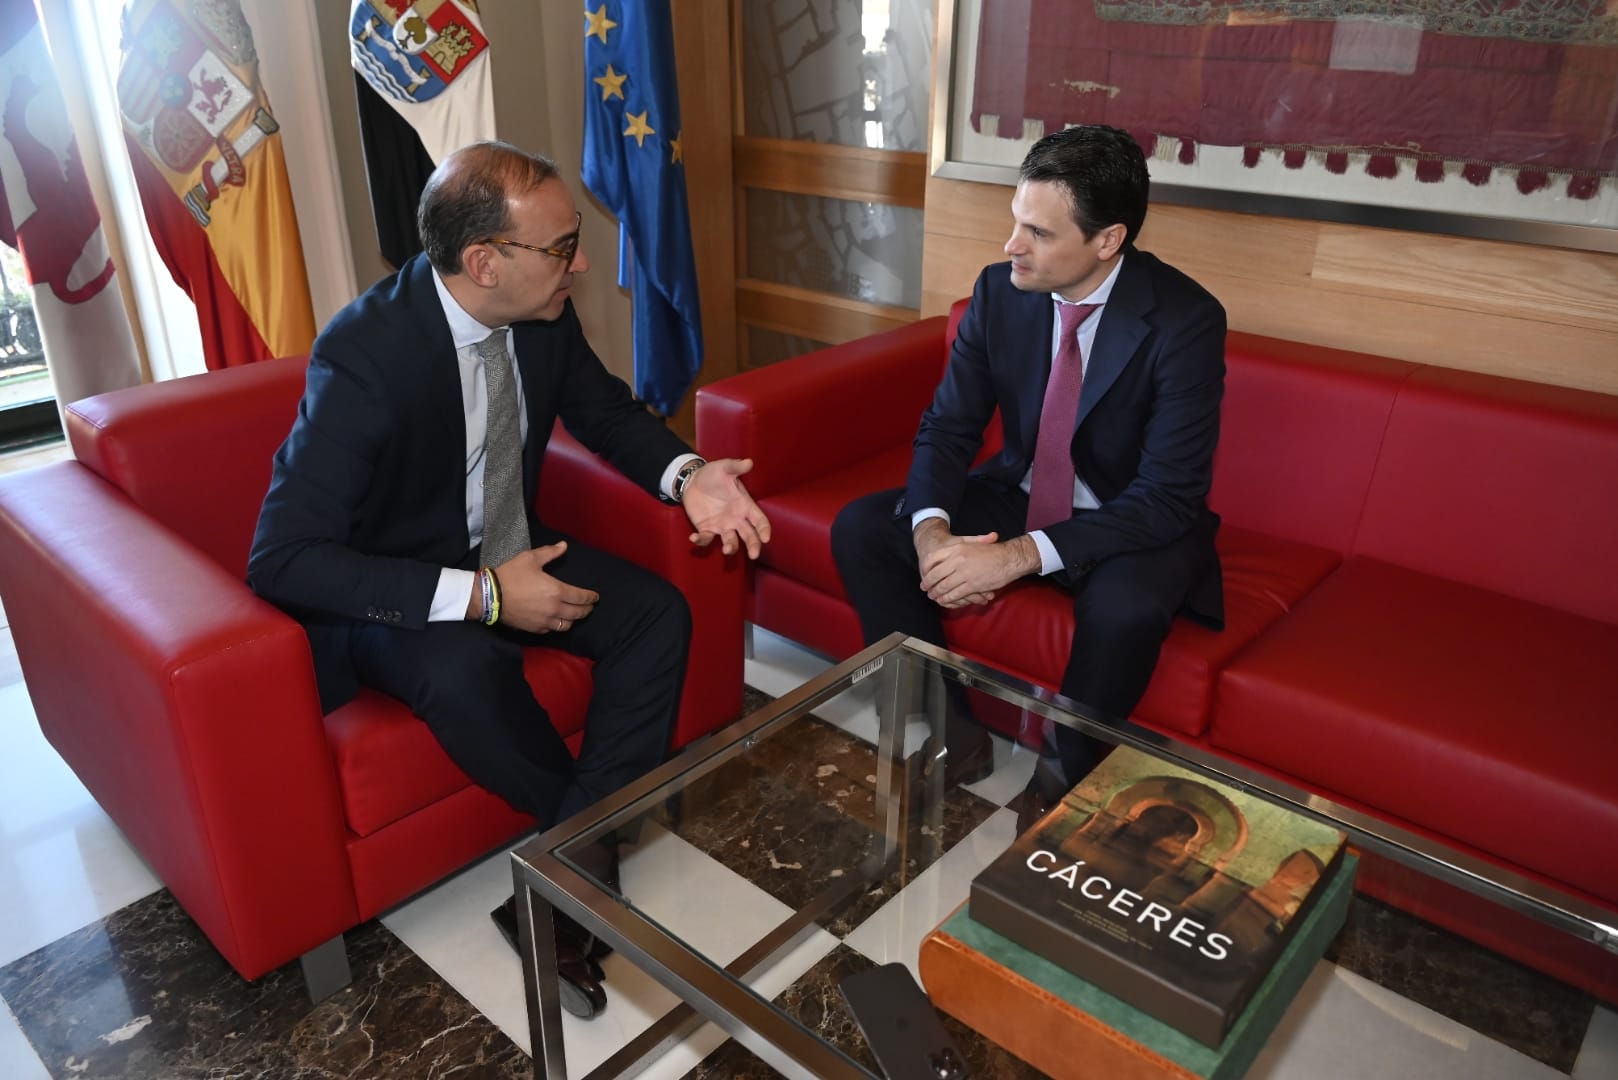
x,y
683,477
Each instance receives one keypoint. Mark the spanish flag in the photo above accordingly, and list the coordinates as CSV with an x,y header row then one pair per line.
x,y
207,155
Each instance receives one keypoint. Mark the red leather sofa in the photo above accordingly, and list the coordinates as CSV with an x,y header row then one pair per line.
x,y
187,705
1421,586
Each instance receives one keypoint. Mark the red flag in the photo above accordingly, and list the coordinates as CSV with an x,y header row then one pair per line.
x,y
48,214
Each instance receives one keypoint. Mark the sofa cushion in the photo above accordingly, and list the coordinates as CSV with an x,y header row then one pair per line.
x,y
1265,577
1299,431
1027,632
801,518
1485,718
389,765
1502,484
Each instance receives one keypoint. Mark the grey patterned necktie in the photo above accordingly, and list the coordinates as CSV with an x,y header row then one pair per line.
x,y
505,523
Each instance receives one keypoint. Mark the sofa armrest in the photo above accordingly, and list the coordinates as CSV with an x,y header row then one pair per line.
x,y
823,411
590,500
186,705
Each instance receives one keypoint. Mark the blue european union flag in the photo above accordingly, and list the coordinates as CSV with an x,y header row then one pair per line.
x,y
633,164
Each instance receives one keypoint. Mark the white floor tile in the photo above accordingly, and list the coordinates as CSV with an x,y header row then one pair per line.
x,y
1598,1060
895,931
695,898
62,862
17,1059
1343,1027
778,665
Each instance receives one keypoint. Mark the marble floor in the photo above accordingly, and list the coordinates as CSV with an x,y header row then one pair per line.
x,y
101,975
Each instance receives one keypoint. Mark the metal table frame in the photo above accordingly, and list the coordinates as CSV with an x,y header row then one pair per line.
x,y
545,880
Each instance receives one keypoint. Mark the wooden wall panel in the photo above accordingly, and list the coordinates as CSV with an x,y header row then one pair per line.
x,y
831,171
702,57
788,309
1539,313
1542,284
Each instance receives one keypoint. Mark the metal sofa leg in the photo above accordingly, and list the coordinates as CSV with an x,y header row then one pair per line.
x,y
325,969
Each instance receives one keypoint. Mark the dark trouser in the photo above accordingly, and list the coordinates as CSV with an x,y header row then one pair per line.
x,y
466,682
1122,609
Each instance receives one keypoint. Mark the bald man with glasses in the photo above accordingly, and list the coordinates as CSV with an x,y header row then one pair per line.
x,y
400,527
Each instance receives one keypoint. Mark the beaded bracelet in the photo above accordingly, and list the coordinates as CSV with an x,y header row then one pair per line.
x,y
491,598
499,597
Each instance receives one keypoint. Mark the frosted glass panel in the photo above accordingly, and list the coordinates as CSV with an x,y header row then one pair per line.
x,y
851,72
865,251
765,347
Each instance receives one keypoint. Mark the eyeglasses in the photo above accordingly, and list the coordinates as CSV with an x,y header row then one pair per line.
x,y
564,251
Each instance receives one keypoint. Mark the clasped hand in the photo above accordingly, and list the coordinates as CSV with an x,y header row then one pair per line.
x,y
959,571
719,508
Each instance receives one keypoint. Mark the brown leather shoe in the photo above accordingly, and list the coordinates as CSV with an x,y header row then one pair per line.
x,y
578,976
1034,805
968,759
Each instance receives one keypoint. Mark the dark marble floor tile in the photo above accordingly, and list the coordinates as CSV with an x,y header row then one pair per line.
x,y
799,817
817,1003
754,699
142,994
1496,997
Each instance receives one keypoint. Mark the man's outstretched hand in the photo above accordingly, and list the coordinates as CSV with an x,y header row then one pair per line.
x,y
719,508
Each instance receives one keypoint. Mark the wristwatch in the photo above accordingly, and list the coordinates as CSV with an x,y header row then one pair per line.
x,y
683,477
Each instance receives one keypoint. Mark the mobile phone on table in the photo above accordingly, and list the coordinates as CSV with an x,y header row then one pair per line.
x,y
900,1025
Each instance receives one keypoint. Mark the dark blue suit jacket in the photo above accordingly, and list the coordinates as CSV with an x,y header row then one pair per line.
x,y
1148,415
367,500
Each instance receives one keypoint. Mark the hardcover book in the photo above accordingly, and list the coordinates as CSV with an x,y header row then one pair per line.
x,y
1167,890
1069,1029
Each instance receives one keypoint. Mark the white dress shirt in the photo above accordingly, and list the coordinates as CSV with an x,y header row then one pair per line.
x,y
1083,497
455,586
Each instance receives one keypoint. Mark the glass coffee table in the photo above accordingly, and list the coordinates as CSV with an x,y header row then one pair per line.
x,y
830,806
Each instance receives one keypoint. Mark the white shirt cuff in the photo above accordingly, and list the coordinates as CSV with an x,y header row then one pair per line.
x,y
1049,560
666,485
451,596
922,515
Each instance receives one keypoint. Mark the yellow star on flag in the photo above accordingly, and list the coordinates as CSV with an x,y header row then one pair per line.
x,y
599,23
639,128
676,151
612,84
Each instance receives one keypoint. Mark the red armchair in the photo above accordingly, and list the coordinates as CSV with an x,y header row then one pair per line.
x,y
187,705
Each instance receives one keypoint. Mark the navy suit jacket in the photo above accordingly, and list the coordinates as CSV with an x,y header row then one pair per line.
x,y
367,499
1147,424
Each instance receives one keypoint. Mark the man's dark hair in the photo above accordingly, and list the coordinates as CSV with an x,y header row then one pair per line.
x,y
1103,172
465,198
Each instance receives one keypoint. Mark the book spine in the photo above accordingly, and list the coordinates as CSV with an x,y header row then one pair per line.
x,y
1129,983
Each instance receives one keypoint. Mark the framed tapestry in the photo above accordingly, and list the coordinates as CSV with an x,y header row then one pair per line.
x,y
1489,118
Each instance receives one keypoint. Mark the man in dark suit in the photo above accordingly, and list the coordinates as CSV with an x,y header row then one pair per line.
x,y
400,526
1107,366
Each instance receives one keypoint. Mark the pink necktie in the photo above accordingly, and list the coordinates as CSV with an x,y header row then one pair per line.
x,y
1050,492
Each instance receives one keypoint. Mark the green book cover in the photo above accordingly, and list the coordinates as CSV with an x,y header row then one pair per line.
x,y
1246,1037
1164,888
